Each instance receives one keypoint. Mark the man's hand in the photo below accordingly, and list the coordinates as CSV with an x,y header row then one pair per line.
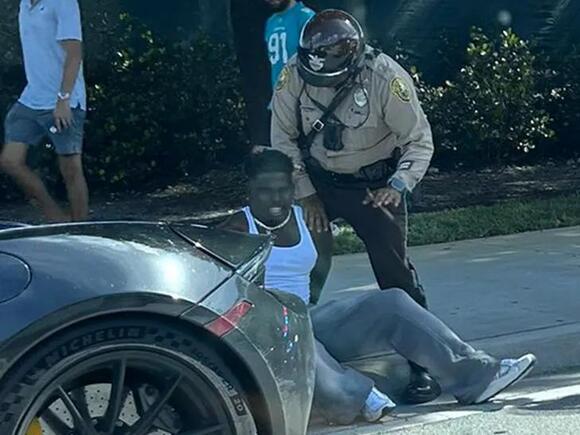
x,y
63,117
314,213
382,198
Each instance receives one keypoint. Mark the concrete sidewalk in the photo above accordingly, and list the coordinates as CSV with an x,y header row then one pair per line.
x,y
488,287
507,295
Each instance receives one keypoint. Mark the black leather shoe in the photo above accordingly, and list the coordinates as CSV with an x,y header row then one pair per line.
x,y
422,388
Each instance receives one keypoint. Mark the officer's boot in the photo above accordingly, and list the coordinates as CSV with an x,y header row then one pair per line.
x,y
422,387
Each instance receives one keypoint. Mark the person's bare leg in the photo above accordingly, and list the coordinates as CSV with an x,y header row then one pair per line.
x,y
13,163
71,168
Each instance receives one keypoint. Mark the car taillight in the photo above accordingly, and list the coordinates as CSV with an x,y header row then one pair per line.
x,y
230,319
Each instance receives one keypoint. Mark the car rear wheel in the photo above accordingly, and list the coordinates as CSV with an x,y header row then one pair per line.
x,y
123,377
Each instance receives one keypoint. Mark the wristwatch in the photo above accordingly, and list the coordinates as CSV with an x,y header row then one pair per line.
x,y
399,185
63,95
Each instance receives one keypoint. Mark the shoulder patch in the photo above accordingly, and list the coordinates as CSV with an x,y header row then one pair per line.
x,y
282,79
401,89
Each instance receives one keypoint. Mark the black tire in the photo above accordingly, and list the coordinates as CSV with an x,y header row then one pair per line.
x,y
31,387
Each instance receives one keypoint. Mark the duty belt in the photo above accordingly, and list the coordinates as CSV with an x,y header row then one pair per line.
x,y
372,176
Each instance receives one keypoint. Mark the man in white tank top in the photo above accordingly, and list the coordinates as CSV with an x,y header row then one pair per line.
x,y
365,324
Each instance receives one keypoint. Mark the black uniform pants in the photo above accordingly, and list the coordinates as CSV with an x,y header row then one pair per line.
x,y
384,236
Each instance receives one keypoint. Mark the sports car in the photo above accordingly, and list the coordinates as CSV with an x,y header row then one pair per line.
x,y
142,328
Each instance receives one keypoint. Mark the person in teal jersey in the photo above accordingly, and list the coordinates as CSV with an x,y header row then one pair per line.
x,y
283,32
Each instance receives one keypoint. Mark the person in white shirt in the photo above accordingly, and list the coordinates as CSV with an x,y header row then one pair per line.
x,y
367,323
53,105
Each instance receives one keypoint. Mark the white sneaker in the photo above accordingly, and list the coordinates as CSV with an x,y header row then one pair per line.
x,y
377,405
510,371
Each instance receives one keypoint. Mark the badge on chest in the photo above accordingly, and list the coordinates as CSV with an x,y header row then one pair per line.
x,y
361,98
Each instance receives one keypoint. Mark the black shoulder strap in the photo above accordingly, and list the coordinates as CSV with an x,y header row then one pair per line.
x,y
305,140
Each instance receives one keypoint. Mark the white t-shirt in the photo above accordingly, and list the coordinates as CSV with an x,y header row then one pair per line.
x,y
42,27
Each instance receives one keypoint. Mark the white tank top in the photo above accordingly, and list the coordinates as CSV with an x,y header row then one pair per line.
x,y
288,268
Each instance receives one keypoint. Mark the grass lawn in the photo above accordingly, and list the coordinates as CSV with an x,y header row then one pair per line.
x,y
509,217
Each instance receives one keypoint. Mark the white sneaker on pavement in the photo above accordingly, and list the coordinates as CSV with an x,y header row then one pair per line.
x,y
377,405
510,371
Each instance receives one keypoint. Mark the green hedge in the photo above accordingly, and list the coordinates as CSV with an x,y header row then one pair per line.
x,y
161,111
496,110
158,111
564,74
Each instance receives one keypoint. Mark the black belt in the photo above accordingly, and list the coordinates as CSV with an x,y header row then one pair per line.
x,y
372,176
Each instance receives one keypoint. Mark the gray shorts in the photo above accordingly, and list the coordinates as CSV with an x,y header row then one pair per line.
x,y
30,127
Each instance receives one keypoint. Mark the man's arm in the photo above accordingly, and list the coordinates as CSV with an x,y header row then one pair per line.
x,y
285,127
324,245
285,134
62,114
72,64
403,114
69,34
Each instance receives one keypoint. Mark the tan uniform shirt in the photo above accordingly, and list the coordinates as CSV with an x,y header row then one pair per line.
x,y
382,114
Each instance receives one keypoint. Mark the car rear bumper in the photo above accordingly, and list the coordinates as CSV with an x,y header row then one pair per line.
x,y
276,343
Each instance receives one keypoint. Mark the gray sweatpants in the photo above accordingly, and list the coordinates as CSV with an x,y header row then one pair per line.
x,y
378,321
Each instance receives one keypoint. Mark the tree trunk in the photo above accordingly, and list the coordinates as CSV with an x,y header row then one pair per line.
x,y
248,21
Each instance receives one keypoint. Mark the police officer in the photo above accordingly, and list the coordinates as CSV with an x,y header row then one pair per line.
x,y
350,119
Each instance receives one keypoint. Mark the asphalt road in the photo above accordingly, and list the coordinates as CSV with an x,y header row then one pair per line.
x,y
506,295
538,406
